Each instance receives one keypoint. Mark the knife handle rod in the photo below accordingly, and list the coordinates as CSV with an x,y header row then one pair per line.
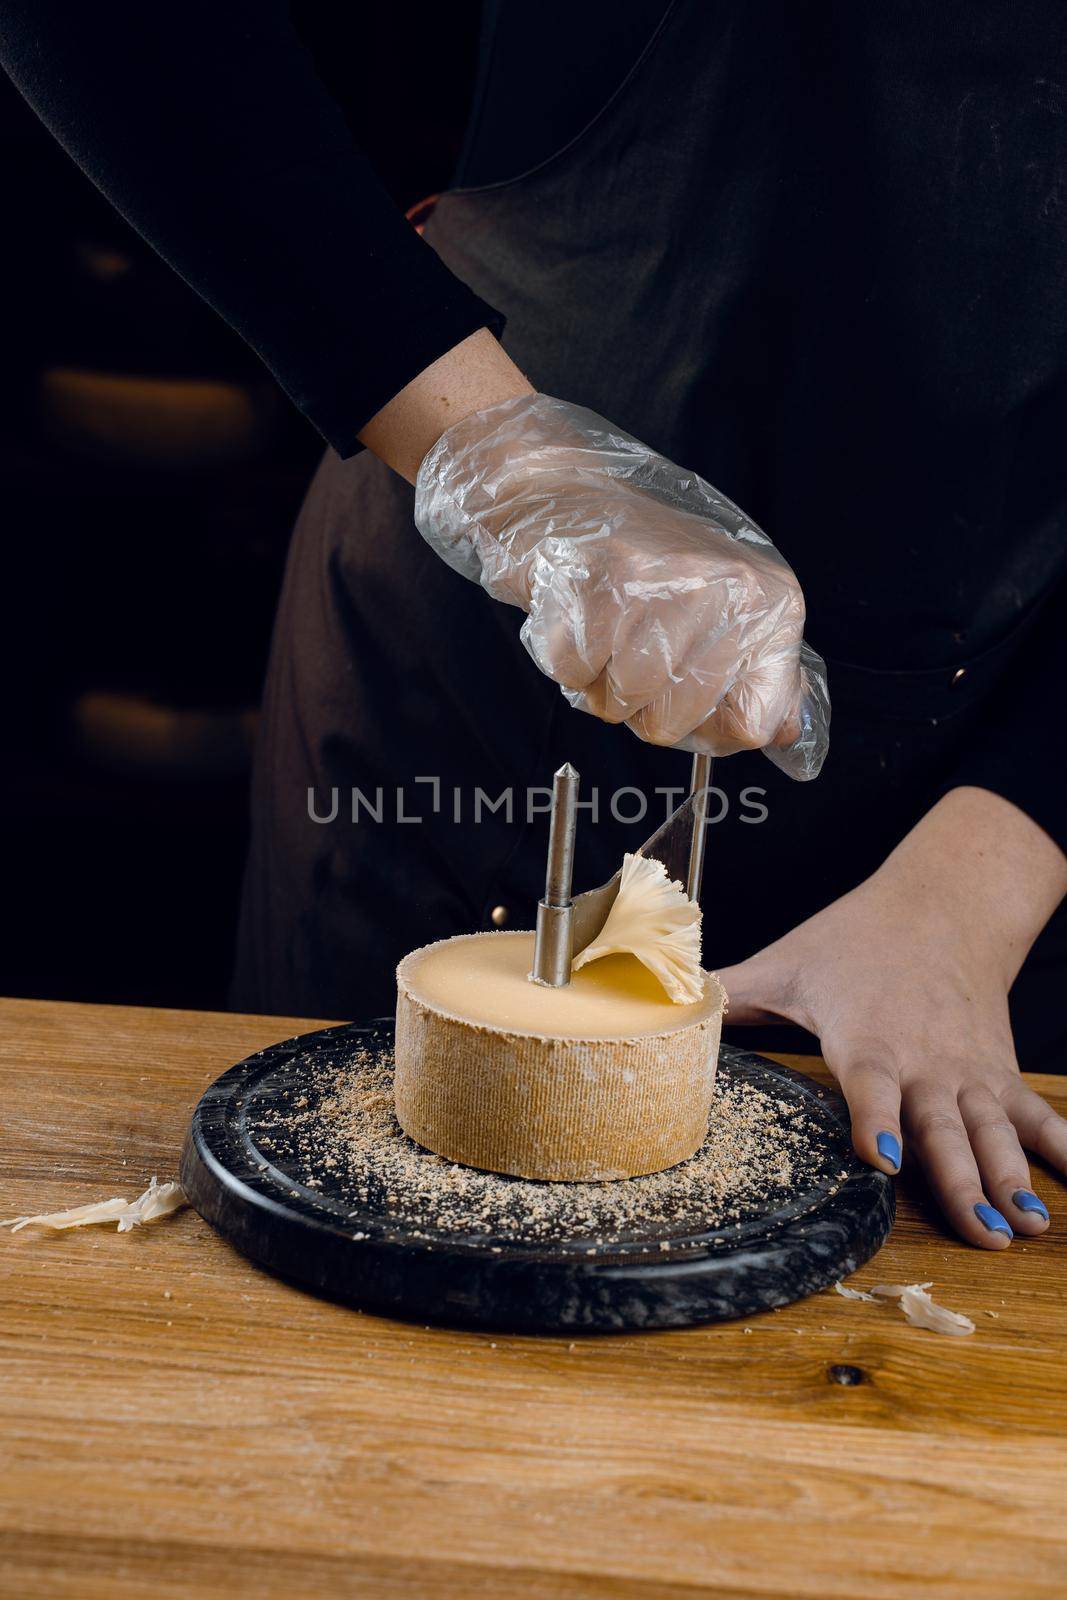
x,y
699,785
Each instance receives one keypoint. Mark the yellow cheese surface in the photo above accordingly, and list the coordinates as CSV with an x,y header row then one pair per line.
x,y
483,979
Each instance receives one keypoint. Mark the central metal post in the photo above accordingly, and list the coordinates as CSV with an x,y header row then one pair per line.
x,y
555,913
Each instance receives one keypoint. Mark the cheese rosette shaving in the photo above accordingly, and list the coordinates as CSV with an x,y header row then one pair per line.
x,y
653,919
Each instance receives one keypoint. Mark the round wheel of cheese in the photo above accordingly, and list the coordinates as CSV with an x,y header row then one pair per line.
x,y
604,1078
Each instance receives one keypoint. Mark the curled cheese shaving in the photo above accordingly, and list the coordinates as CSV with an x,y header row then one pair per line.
x,y
916,1304
654,920
921,1311
158,1200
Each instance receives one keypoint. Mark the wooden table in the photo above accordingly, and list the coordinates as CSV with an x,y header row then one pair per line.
x,y
177,1424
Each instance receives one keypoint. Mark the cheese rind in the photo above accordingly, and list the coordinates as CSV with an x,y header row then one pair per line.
x,y
603,1079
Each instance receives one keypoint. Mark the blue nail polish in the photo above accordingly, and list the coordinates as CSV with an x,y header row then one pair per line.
x,y
889,1149
991,1218
1027,1200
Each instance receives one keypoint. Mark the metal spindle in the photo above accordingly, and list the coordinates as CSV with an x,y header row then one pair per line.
x,y
552,941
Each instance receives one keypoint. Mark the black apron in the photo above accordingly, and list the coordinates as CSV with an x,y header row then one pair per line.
x,y
667,269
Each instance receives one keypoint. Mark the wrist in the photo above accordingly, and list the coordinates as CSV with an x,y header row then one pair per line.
x,y
981,870
474,374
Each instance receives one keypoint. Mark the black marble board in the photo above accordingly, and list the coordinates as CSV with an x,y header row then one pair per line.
x,y
314,1236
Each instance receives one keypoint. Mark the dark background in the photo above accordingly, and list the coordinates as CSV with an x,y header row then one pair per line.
x,y
150,472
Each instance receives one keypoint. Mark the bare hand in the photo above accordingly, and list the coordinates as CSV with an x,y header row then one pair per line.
x,y
905,982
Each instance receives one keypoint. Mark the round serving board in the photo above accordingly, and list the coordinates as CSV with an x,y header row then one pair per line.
x,y
298,1215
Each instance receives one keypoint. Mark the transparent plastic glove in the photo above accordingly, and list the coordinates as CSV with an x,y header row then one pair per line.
x,y
651,599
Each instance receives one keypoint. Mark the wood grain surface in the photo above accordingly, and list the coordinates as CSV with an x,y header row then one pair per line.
x,y
176,1424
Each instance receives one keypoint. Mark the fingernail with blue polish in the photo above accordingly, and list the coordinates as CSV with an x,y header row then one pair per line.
x,y
991,1218
1027,1200
889,1149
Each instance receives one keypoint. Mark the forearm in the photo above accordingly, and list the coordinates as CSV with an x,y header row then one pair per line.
x,y
472,375
986,869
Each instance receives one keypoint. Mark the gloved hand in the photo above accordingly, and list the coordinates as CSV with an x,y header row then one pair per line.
x,y
651,599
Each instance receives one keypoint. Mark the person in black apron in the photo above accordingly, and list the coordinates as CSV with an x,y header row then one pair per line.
x,y
815,255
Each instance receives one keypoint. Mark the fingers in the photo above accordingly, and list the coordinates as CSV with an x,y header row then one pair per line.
x,y
669,646
969,1147
1043,1132
937,1134
601,700
1040,1129
649,679
764,697
672,662
759,703
569,640
722,712
678,710
872,1088
1004,1169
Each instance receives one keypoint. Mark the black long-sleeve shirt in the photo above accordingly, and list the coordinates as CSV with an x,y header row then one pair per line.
x,y
208,128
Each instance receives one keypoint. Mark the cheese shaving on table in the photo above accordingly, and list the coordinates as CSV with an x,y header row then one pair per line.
x,y
654,920
158,1200
921,1311
916,1304
853,1294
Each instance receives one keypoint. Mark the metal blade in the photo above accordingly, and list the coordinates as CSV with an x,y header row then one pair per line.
x,y
678,843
